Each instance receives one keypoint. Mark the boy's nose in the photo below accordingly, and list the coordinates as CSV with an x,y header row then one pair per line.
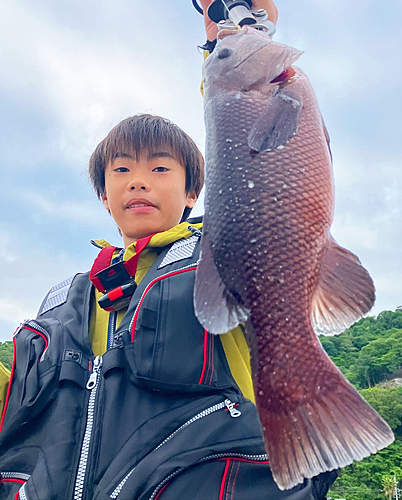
x,y
138,185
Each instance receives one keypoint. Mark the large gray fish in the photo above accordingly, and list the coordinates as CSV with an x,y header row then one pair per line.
x,y
268,257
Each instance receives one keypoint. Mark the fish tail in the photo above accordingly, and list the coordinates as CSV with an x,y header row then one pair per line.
x,y
321,434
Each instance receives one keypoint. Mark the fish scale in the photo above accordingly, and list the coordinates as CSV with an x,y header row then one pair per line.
x,y
268,257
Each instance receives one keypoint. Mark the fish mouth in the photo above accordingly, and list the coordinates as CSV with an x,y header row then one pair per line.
x,y
285,75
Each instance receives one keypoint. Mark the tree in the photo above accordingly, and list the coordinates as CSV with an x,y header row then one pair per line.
x,y
379,359
388,403
388,485
370,351
390,319
6,353
362,480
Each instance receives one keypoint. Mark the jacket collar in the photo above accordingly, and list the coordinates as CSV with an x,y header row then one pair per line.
x,y
158,240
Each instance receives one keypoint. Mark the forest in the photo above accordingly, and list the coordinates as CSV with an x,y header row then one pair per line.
x,y
369,354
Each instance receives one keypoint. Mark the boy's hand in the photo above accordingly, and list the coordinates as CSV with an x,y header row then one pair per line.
x,y
211,28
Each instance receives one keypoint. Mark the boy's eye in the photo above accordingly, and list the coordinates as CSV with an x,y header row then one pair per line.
x,y
160,169
121,169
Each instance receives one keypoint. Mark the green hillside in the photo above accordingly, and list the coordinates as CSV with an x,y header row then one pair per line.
x,y
370,356
6,353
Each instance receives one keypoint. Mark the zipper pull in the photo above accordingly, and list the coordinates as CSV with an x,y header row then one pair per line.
x,y
195,231
117,342
95,372
232,410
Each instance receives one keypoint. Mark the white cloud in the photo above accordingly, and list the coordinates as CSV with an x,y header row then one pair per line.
x,y
78,212
8,249
26,280
14,313
356,235
91,82
78,79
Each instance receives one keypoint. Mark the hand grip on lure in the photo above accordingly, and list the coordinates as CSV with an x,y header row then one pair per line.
x,y
230,14
237,11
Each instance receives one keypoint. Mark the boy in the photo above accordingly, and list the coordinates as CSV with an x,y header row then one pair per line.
x,y
116,390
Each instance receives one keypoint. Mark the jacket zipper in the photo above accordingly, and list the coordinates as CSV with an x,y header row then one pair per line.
x,y
113,314
217,456
115,493
22,493
111,329
35,325
15,475
92,385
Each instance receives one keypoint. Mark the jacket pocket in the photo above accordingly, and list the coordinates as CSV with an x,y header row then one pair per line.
x,y
32,373
30,460
219,426
169,344
233,476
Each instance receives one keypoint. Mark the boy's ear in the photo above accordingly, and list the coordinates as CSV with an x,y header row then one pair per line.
x,y
191,199
105,202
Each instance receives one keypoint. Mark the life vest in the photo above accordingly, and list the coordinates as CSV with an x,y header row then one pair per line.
x,y
158,416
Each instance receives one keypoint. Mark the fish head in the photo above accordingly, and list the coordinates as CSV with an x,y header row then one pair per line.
x,y
247,60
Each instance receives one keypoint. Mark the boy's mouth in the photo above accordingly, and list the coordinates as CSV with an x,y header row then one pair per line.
x,y
139,204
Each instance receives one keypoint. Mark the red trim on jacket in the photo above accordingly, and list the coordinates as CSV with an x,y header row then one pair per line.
x,y
162,490
238,459
25,327
8,479
204,364
9,386
228,460
223,482
40,334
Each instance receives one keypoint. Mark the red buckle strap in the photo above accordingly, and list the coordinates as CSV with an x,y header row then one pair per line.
x,y
103,260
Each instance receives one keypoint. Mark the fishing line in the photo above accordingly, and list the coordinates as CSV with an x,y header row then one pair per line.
x,y
197,7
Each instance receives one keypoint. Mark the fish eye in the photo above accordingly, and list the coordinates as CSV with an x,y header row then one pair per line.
x,y
225,52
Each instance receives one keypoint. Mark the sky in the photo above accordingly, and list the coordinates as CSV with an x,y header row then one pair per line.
x,y
71,70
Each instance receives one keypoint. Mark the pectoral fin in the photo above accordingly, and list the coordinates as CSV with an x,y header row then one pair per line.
x,y
277,124
344,293
215,307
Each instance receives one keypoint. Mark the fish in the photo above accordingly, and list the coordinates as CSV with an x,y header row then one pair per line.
x,y
268,260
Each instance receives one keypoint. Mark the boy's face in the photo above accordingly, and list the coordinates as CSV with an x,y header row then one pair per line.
x,y
147,195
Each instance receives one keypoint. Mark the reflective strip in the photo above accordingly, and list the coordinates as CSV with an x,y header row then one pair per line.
x,y
23,495
181,249
57,295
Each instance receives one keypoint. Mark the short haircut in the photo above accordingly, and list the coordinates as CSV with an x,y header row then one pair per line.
x,y
148,133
